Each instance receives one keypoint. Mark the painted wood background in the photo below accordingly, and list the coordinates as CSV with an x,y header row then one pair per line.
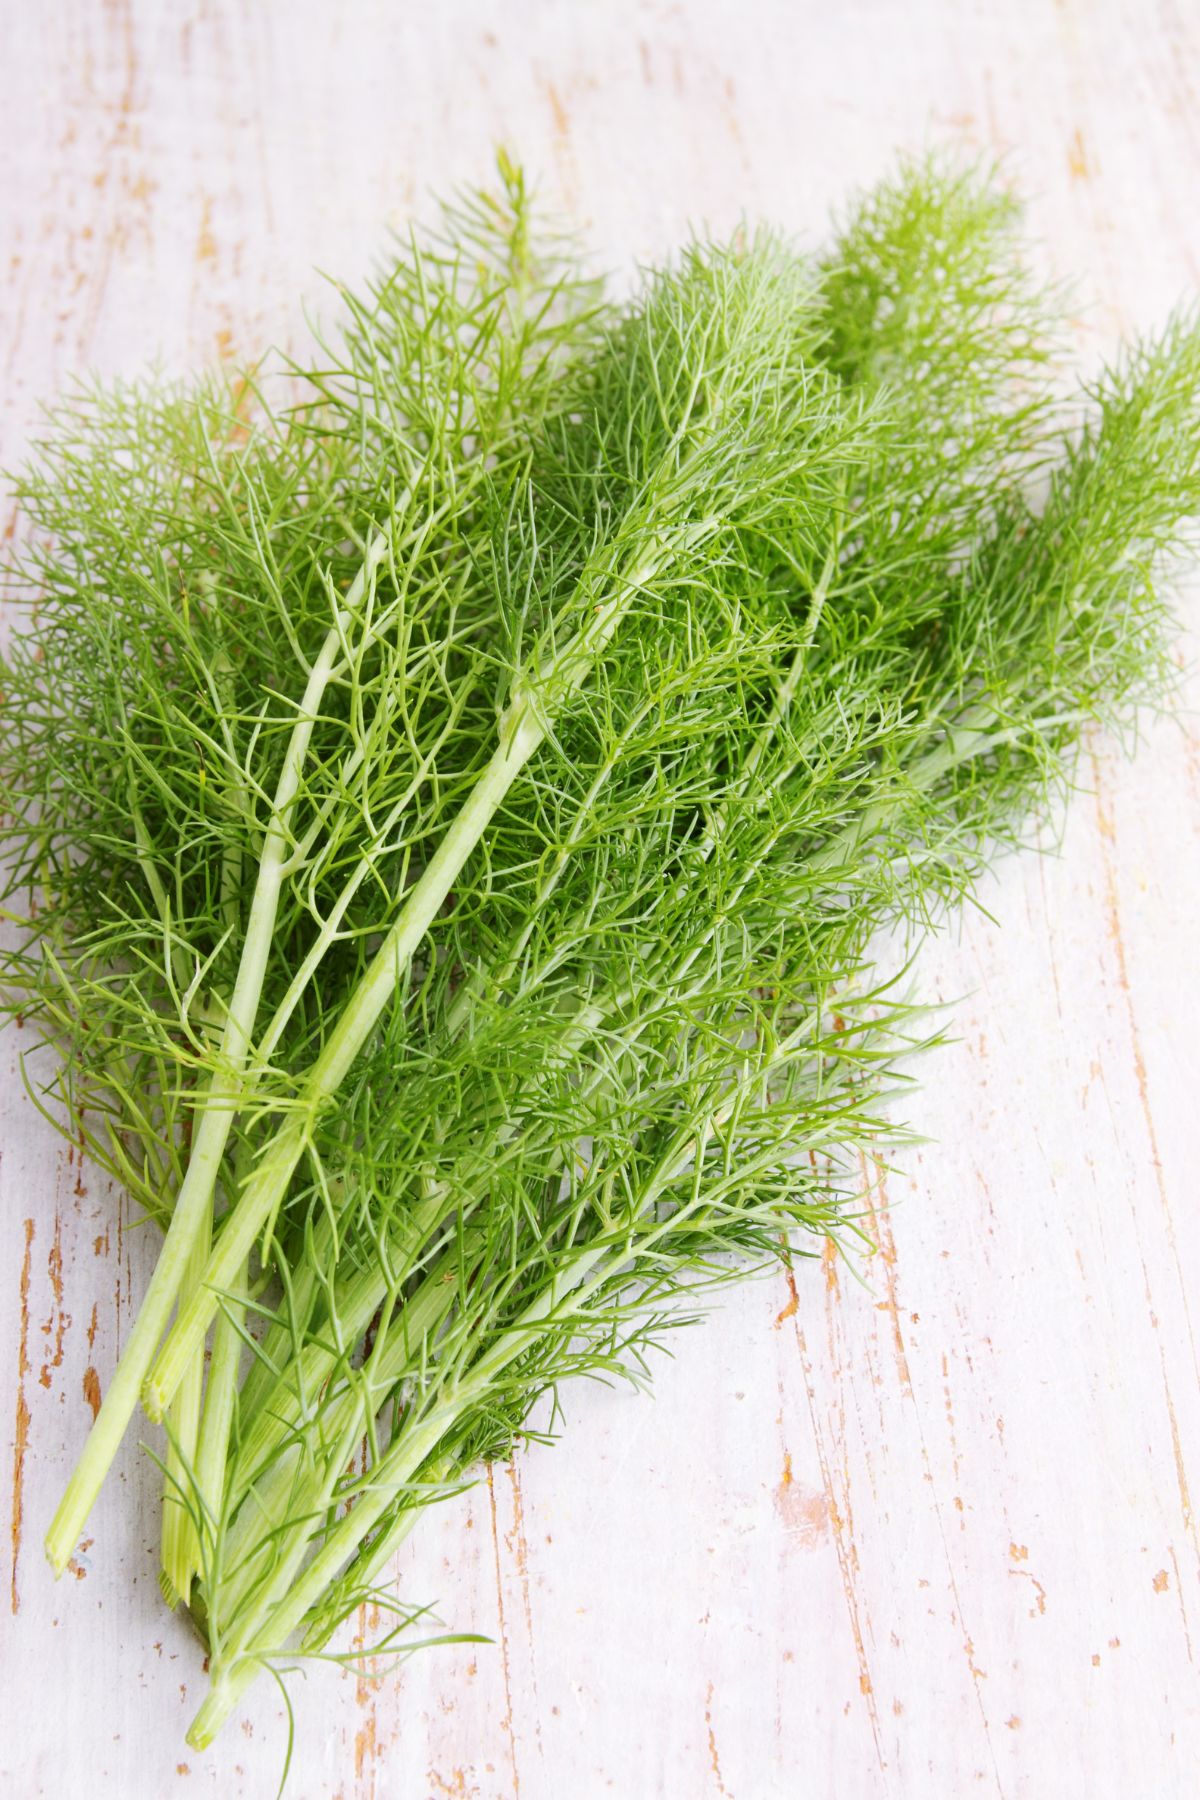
x,y
928,1534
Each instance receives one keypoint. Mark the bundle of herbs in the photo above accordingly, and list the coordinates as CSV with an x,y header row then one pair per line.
x,y
453,793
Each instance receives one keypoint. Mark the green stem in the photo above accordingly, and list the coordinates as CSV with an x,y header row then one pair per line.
x,y
434,1475
283,1405
400,1462
281,1497
331,924
194,1421
220,1395
180,1541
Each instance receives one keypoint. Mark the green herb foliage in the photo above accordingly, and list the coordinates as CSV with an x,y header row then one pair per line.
x,y
455,791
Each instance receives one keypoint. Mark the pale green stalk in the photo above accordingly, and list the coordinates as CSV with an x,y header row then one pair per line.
x,y
220,1395
180,1543
387,1543
271,1501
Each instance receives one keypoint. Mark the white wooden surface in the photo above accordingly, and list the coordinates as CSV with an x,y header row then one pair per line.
x,y
928,1535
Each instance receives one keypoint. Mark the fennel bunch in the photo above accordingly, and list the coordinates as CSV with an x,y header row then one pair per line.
x,y
463,784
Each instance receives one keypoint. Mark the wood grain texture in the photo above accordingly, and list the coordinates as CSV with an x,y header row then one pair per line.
x,y
928,1533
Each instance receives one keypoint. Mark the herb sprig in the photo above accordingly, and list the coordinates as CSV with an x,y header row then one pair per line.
x,y
461,785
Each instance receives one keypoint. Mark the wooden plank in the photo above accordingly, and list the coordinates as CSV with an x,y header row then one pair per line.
x,y
920,1534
